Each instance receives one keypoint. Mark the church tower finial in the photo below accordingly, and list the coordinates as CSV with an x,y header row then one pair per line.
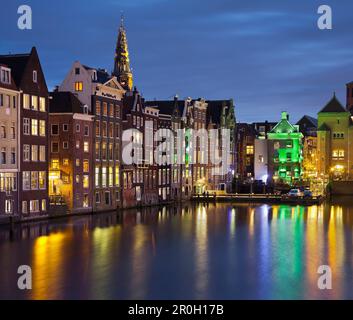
x,y
122,68
122,20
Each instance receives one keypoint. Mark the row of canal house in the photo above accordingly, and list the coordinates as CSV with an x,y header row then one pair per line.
x,y
64,149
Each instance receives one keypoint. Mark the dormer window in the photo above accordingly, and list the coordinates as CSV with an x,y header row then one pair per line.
x,y
35,79
5,75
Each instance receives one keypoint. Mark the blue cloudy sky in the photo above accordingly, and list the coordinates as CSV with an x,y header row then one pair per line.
x,y
268,55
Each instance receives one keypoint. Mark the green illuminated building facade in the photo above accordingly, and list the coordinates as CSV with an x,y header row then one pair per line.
x,y
285,147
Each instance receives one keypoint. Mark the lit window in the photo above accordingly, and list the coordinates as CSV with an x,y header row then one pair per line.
x,y
86,146
338,154
104,128
249,149
42,180
65,162
98,108
34,127
104,176
85,166
42,104
26,101
85,181
117,177
111,130
34,103
97,177
42,128
44,205
42,155
98,131
78,86
34,180
111,110
85,201
55,164
111,177
77,162
105,109
104,151
77,178
34,153
34,206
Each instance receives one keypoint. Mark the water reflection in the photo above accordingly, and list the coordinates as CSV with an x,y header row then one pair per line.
x,y
191,251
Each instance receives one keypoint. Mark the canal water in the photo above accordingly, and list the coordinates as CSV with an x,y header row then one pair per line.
x,y
195,251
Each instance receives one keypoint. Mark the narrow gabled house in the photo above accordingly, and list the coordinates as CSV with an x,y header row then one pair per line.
x,y
103,95
151,124
71,164
28,76
133,168
221,116
334,147
9,142
285,149
170,117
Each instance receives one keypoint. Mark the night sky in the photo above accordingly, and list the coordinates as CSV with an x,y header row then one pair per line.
x,y
268,55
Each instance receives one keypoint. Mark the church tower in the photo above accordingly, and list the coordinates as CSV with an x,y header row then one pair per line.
x,y
122,68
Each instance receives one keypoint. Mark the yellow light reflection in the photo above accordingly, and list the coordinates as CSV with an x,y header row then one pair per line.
x,y
48,268
201,251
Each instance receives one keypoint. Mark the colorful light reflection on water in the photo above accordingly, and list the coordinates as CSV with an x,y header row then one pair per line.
x,y
210,251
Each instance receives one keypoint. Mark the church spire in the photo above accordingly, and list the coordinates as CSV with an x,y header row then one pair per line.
x,y
122,68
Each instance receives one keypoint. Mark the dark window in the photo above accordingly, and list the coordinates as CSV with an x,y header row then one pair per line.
x,y
107,198
77,70
55,147
54,129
